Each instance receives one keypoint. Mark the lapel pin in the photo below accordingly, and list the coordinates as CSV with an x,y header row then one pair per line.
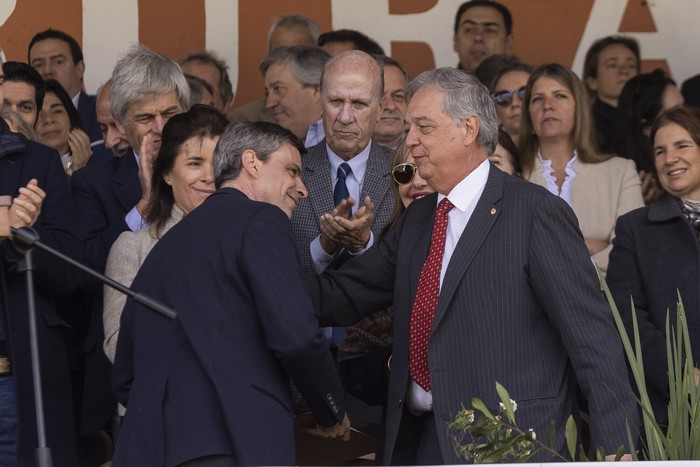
x,y
493,211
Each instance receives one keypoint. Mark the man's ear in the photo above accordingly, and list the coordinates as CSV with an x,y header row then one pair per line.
x,y
80,66
470,129
592,83
250,163
510,42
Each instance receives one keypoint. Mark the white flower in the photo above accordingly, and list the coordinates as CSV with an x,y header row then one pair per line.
x,y
513,404
533,435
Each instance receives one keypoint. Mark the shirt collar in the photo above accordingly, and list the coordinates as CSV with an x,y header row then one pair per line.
x,y
464,193
75,99
358,163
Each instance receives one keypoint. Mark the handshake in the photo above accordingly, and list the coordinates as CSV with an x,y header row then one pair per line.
x,y
21,211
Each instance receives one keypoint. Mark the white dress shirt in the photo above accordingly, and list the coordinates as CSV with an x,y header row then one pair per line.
x,y
133,218
354,182
464,197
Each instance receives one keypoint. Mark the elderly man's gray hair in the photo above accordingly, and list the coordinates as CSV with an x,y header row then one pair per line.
x,y
306,62
142,74
464,97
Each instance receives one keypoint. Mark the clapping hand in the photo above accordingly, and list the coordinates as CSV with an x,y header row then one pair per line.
x,y
353,233
79,144
147,153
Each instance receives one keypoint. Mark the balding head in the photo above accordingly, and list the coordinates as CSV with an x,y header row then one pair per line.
x,y
352,86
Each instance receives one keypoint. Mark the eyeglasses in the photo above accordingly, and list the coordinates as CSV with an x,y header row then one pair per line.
x,y
504,98
404,173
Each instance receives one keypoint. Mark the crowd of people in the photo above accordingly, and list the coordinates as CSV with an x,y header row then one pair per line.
x,y
359,242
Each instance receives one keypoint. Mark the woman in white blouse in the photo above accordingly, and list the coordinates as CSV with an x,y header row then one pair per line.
x,y
559,153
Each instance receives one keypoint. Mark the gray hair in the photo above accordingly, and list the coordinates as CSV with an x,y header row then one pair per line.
x,y
207,57
306,62
142,74
197,88
294,21
464,97
263,138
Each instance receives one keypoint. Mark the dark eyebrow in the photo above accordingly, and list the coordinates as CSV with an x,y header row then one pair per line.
x,y
487,23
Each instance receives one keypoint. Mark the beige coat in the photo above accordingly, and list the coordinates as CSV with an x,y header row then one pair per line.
x,y
125,259
600,193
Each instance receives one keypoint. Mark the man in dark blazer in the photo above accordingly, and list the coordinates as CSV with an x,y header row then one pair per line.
x,y
351,96
147,88
517,300
24,163
57,55
244,323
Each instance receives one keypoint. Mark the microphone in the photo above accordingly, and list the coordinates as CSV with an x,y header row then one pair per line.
x,y
24,238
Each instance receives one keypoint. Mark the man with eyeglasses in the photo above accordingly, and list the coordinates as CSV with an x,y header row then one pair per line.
x,y
482,28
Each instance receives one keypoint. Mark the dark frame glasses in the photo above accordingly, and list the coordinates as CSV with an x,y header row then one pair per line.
x,y
504,98
404,173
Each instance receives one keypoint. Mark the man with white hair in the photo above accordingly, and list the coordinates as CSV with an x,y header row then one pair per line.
x,y
147,89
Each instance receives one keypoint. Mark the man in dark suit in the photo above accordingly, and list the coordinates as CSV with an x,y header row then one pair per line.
x,y
351,95
27,171
501,289
57,55
147,89
244,323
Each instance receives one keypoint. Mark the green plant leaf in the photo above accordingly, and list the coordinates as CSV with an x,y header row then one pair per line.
x,y
620,452
479,405
505,400
571,436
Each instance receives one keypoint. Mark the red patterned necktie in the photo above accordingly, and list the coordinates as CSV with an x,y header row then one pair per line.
x,y
426,300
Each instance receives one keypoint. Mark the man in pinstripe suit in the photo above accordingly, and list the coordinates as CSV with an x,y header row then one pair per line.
x,y
518,299
351,94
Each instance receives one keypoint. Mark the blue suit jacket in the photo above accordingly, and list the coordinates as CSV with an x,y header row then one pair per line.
x,y
88,115
20,161
520,304
215,380
104,193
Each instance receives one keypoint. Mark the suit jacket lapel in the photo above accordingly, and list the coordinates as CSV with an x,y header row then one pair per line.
x,y
127,186
376,182
318,179
482,220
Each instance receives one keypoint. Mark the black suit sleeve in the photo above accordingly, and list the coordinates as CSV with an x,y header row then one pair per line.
x,y
56,224
625,281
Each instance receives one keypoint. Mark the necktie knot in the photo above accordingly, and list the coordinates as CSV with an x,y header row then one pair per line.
x,y
343,171
444,206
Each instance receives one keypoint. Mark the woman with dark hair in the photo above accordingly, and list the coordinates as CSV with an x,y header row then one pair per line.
x,y
507,90
507,155
59,127
609,63
559,153
182,179
656,251
642,99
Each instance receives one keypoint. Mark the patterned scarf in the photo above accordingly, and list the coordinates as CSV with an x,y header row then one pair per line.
x,y
691,212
